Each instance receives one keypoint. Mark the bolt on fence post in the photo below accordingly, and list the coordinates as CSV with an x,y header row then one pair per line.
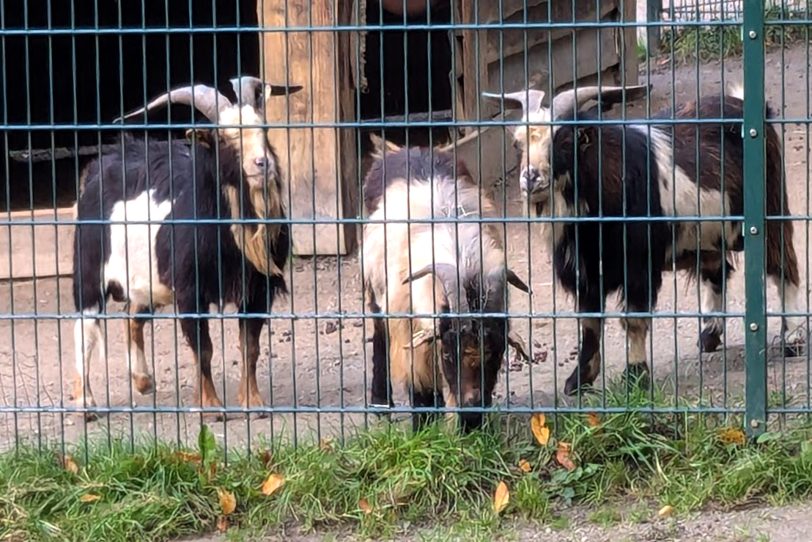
x,y
754,271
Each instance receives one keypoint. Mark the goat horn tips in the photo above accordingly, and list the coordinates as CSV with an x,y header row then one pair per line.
x,y
517,343
514,279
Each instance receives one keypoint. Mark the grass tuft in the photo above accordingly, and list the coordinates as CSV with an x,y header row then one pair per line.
x,y
715,41
381,481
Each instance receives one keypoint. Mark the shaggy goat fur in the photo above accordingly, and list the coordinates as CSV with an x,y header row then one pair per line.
x,y
694,170
149,265
399,258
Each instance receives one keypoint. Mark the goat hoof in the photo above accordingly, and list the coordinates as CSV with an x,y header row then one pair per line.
x,y
637,375
143,383
379,402
709,341
572,388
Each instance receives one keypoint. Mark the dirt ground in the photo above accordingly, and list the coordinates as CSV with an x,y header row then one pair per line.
x,y
769,524
316,364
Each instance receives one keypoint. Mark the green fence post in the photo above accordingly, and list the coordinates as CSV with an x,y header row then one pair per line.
x,y
754,124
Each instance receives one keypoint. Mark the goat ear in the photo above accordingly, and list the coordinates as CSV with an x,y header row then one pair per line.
x,y
583,137
203,137
514,280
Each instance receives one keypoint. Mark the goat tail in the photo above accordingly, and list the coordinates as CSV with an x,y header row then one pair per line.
x,y
781,258
735,90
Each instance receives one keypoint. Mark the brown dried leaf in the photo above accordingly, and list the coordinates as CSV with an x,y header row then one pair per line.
x,y
732,435
188,457
524,465
228,502
593,420
272,483
222,524
562,455
326,444
540,430
266,457
364,506
89,497
501,497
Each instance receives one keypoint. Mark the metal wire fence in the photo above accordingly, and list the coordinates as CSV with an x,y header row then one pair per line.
x,y
166,242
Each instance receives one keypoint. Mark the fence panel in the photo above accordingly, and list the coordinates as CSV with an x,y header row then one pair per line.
x,y
412,76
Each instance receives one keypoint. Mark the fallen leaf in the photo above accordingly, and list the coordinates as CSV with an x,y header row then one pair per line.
x,y
69,464
540,431
228,502
266,457
222,524
188,457
89,497
562,455
666,511
501,497
593,420
364,506
326,445
272,483
732,435
524,465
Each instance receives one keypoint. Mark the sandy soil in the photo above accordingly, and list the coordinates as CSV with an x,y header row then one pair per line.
x,y
316,364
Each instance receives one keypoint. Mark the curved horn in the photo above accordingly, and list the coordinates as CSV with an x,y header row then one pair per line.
x,y
204,98
572,99
252,91
447,274
529,99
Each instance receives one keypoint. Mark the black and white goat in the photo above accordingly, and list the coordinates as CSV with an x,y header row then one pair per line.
x,y
424,268
586,169
230,173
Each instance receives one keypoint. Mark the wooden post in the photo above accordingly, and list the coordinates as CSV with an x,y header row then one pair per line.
x,y
318,163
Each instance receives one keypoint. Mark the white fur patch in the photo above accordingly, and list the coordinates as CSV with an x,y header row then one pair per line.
x,y
680,196
711,301
132,262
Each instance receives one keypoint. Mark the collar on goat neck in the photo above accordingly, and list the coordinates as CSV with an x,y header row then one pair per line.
x,y
254,240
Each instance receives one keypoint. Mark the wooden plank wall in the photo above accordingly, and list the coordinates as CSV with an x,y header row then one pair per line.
x,y
502,55
319,163
487,59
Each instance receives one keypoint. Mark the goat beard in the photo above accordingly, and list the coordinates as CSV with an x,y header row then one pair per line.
x,y
255,240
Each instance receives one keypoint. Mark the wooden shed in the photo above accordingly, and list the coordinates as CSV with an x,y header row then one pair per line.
x,y
323,162
440,72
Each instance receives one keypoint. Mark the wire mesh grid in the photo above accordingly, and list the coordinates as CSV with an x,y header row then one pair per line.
x,y
412,74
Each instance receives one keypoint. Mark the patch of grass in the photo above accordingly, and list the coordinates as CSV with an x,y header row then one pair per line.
x,y
715,41
605,516
382,482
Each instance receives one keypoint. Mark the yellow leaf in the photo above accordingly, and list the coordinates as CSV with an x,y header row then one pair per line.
x,y
89,497
593,420
732,435
562,455
501,497
69,464
326,445
665,511
228,502
540,431
272,483
364,506
222,524
524,465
